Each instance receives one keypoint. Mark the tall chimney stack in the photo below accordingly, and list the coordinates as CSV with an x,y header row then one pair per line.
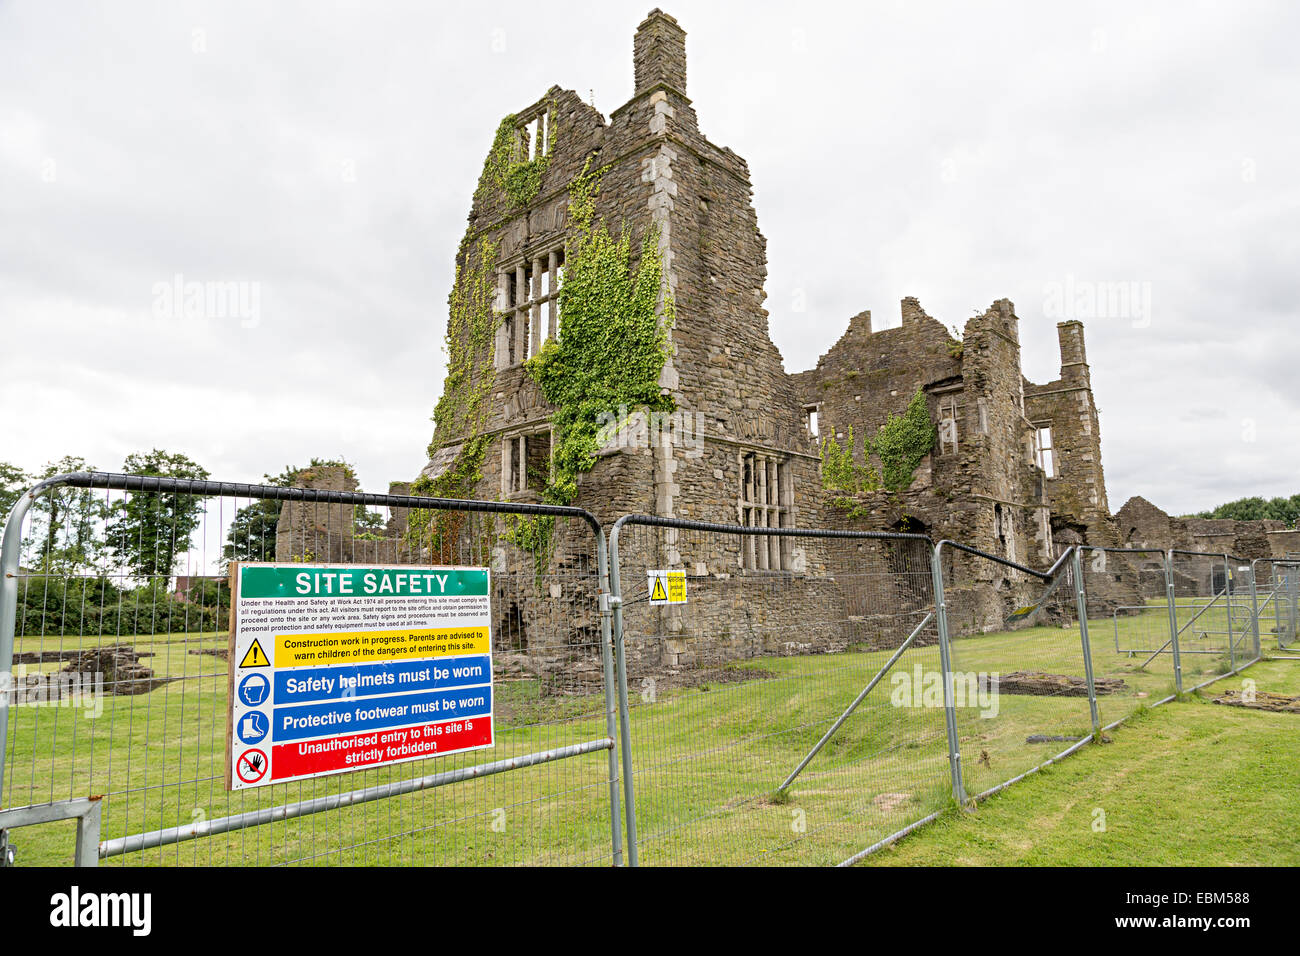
x,y
659,53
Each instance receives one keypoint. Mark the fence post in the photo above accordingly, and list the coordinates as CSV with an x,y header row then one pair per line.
x,y
10,552
1292,601
1254,609
607,665
1081,602
1227,603
1173,619
624,715
949,711
87,847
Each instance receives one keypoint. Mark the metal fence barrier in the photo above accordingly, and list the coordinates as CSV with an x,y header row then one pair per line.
x,y
1213,614
1128,599
783,696
1277,608
119,685
1022,688
777,716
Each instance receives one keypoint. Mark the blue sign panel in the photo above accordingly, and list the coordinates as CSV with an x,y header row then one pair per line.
x,y
378,713
300,686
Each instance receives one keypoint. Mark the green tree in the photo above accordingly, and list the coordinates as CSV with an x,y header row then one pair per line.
x,y
13,482
1258,509
367,523
252,532
147,530
67,523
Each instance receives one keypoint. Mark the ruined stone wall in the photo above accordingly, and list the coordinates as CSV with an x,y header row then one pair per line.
x,y
979,483
869,375
998,468
312,530
325,533
657,171
725,374
1078,489
1143,525
737,407
839,594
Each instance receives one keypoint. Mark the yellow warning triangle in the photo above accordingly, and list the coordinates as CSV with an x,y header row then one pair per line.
x,y
658,593
255,656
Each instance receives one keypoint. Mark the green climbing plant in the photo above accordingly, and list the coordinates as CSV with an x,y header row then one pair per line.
x,y
841,473
611,349
461,412
900,445
506,167
613,340
903,441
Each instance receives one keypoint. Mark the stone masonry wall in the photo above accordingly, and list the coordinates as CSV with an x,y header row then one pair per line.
x,y
1078,490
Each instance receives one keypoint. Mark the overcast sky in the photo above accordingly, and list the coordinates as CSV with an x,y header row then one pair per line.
x,y
324,155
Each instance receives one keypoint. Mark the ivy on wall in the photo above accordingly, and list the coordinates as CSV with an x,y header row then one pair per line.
x,y
612,343
841,473
900,444
903,441
462,411
506,168
610,351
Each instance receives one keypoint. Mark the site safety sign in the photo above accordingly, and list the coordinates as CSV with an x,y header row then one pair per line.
x,y
343,667
666,587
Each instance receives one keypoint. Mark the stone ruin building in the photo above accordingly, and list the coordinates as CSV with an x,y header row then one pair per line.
x,y
1016,467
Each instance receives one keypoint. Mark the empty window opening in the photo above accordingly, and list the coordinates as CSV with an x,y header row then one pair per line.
x,y
536,134
1044,452
530,298
525,464
812,413
537,467
948,426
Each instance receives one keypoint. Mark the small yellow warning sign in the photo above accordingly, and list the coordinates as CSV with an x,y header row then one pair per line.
x,y
666,587
255,656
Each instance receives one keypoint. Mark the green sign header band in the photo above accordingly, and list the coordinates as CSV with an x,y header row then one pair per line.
x,y
299,581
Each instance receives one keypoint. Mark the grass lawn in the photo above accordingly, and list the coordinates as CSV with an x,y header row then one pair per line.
x,y
1190,783
707,762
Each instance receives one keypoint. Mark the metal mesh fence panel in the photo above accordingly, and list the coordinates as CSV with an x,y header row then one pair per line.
x,y
1277,598
1129,626
120,683
1128,605
1213,611
1244,637
1020,690
732,692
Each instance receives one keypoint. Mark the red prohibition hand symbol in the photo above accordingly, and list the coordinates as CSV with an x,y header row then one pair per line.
x,y
251,766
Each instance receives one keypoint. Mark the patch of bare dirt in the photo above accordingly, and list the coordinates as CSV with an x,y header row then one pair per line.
x,y
889,802
1041,684
1261,700
704,677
